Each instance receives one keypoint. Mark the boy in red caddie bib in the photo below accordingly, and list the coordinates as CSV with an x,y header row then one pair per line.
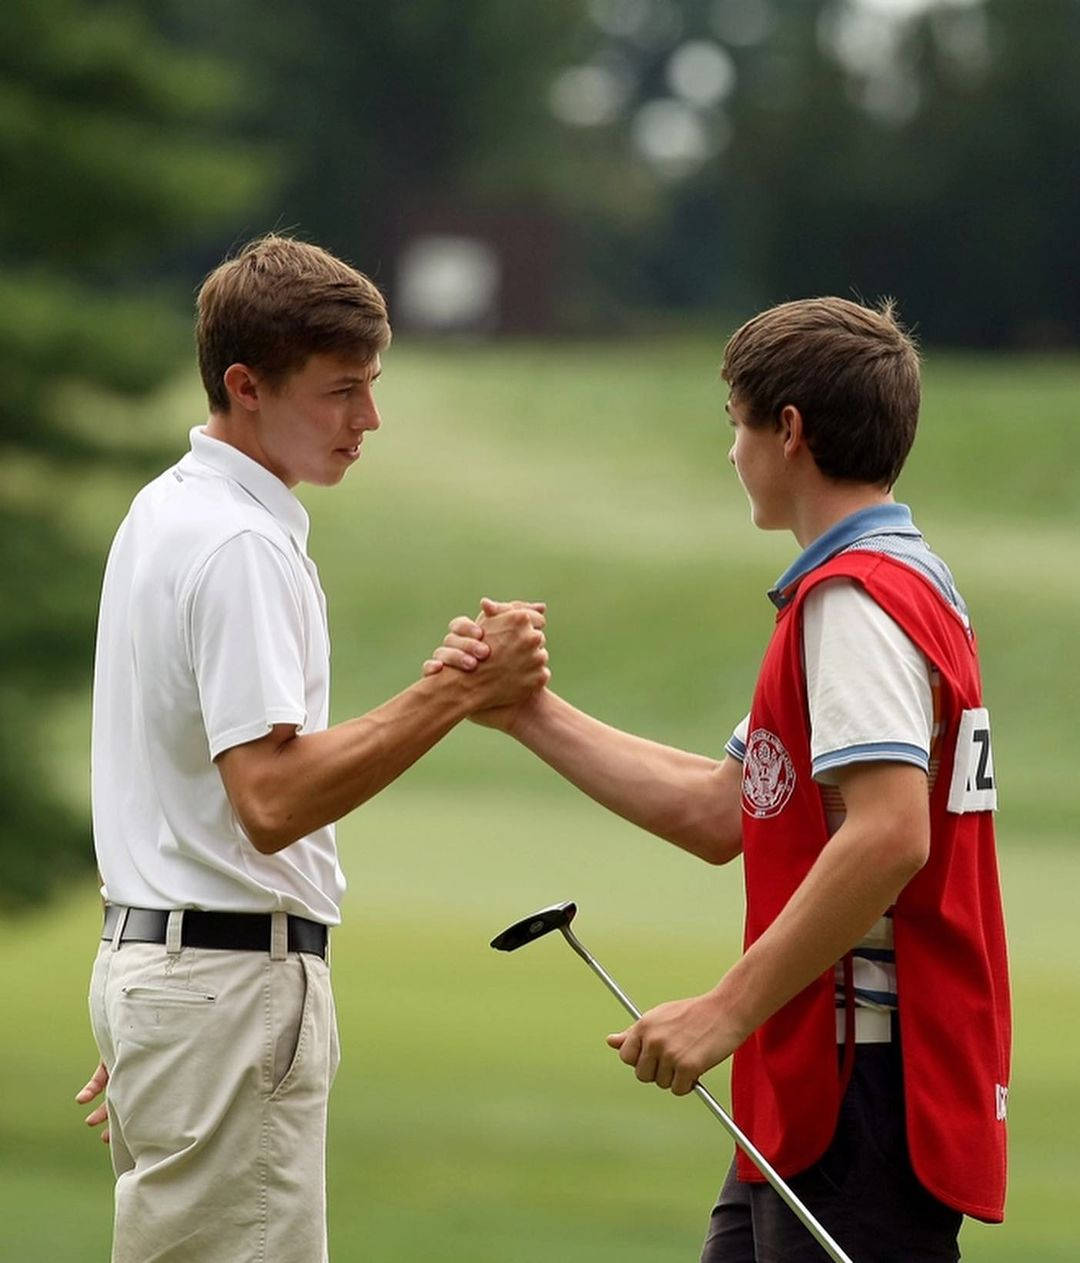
x,y
869,1014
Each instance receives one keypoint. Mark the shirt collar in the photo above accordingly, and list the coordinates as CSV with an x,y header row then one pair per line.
x,y
879,519
256,480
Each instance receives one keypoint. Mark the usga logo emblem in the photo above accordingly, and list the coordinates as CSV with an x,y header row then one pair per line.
x,y
768,775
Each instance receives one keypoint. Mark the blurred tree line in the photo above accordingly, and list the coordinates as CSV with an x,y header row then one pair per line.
x,y
110,154
716,155
696,155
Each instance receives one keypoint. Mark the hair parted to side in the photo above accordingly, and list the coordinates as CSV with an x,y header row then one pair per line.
x,y
277,302
852,371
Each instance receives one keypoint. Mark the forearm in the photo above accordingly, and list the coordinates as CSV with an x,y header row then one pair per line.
x,y
314,779
858,875
685,798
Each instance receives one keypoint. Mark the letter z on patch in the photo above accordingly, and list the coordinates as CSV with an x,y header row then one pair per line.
x,y
973,787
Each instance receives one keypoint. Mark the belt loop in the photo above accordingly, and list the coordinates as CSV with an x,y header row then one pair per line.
x,y
118,933
174,931
279,935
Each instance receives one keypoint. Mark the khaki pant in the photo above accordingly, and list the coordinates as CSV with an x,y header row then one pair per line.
x,y
220,1066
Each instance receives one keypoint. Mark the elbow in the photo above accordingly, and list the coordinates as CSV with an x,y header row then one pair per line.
x,y
908,852
721,849
265,825
715,844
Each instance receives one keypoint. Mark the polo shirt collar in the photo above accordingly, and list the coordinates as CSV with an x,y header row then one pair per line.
x,y
256,480
879,519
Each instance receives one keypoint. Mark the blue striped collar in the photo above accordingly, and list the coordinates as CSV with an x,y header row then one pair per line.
x,y
879,519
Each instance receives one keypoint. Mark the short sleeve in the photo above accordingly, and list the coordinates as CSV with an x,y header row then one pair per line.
x,y
736,745
868,686
246,638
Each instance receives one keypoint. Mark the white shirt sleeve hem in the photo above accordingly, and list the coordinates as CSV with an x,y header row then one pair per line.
x,y
824,767
254,730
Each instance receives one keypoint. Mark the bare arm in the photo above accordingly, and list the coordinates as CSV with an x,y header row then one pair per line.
x,y
882,844
283,786
688,799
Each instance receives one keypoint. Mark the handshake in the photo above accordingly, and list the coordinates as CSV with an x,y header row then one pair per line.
x,y
499,658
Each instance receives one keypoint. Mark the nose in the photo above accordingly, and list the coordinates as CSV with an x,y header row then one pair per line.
x,y
366,416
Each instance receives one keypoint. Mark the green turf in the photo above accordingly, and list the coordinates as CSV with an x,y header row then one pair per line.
x,y
478,1114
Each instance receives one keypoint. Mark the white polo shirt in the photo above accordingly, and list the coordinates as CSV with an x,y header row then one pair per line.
x,y
212,629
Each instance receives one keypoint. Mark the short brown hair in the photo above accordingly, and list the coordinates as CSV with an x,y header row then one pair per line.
x,y
852,371
277,302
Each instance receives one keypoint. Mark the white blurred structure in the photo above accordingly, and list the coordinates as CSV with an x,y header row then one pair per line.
x,y
447,283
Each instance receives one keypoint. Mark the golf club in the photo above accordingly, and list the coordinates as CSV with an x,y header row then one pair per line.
x,y
558,917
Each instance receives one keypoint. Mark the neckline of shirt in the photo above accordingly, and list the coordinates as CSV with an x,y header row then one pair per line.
x,y
878,519
256,480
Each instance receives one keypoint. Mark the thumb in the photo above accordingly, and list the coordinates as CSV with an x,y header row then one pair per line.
x,y
617,1041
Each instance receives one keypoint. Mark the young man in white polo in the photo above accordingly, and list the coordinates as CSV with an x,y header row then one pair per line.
x,y
869,1014
217,780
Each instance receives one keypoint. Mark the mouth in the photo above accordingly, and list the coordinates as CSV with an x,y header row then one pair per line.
x,y
350,453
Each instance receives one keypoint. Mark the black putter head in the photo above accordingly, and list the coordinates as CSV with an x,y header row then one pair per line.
x,y
536,926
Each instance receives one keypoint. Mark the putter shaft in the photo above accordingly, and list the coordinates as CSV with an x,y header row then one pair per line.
x,y
816,1230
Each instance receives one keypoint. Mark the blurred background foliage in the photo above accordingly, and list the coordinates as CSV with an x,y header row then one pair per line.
x,y
612,166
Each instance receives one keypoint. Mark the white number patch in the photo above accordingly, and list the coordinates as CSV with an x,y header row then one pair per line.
x,y
973,786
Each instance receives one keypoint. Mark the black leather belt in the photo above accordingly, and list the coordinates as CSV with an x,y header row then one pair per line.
x,y
243,931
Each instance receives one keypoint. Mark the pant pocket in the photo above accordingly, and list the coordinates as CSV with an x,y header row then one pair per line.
x,y
289,1019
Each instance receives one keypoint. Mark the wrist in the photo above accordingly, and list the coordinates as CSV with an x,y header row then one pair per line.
x,y
524,720
729,1002
451,689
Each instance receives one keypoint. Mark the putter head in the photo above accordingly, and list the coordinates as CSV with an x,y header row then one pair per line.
x,y
536,926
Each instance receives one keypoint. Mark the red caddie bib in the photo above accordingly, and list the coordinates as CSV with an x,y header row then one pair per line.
x,y
951,964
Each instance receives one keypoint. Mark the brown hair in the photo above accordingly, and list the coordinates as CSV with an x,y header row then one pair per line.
x,y
277,302
852,371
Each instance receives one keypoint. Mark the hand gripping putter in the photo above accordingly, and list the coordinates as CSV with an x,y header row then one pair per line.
x,y
558,917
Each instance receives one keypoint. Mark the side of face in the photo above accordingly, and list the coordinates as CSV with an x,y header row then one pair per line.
x,y
760,457
309,427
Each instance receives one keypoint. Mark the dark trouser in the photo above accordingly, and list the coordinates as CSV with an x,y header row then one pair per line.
x,y
862,1190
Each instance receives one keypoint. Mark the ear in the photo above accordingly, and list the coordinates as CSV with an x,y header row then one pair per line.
x,y
243,387
791,426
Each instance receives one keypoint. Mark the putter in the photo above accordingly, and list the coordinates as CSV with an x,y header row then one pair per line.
x,y
558,917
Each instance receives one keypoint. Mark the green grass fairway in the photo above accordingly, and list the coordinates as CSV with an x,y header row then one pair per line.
x,y
478,1114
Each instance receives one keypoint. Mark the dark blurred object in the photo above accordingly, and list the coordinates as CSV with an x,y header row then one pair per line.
x,y
107,159
426,113
483,271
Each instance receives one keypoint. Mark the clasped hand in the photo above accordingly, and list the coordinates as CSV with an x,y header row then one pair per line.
x,y
474,643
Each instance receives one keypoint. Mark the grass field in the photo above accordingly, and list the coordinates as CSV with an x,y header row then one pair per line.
x,y
478,1114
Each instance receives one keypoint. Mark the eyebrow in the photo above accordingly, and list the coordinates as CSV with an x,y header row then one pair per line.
x,y
352,380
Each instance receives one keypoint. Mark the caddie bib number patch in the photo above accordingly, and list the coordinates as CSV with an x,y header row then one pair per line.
x,y
973,787
768,775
